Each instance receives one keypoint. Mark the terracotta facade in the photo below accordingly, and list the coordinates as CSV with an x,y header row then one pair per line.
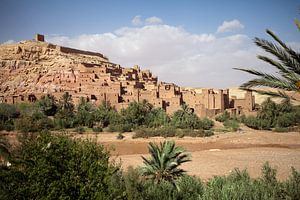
x,y
35,68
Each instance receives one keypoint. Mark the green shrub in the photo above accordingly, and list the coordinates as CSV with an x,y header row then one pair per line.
x,y
120,128
205,124
80,129
170,132
136,112
8,111
7,125
232,125
97,129
291,186
281,129
286,120
154,132
28,124
223,117
257,123
156,117
57,167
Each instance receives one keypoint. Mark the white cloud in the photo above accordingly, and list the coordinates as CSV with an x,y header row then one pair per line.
x,y
153,20
9,42
230,26
174,54
136,21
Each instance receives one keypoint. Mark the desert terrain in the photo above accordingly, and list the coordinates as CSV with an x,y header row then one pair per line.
x,y
216,155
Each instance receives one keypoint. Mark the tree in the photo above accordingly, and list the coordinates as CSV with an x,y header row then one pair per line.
x,y
157,117
48,105
85,113
136,112
287,65
65,114
57,167
164,162
66,103
103,113
185,118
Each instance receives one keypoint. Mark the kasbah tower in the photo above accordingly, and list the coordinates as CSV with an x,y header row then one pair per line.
x,y
33,68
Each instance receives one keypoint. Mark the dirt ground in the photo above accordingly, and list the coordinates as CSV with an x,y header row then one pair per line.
x,y
216,155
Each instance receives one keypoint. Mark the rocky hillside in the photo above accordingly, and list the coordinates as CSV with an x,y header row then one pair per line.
x,y
24,65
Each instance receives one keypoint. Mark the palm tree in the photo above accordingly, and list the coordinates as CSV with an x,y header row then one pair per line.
x,y
66,103
164,162
287,65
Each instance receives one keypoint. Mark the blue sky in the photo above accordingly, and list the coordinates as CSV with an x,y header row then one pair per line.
x,y
200,35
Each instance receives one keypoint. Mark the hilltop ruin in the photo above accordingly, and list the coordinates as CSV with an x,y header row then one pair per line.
x,y
33,68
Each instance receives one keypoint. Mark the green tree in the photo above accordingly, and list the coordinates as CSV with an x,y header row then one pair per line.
x,y
85,113
157,117
164,162
7,115
268,111
48,105
57,167
65,115
103,113
185,118
287,65
136,112
66,103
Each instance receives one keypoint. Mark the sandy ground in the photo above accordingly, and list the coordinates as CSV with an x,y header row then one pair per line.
x,y
216,155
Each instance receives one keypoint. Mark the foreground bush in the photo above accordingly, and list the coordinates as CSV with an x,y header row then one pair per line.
x,y
56,167
238,185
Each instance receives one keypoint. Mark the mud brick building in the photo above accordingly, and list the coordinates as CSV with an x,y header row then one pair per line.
x,y
33,68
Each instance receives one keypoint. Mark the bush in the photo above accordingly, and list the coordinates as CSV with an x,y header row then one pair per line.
x,y
256,123
8,112
157,117
223,117
281,129
120,128
56,167
80,129
205,124
232,125
286,120
136,112
170,132
97,129
7,125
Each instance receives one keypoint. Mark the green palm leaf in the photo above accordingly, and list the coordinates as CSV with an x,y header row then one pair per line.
x,y
287,64
164,162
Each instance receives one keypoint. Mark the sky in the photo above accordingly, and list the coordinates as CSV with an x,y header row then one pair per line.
x,y
191,43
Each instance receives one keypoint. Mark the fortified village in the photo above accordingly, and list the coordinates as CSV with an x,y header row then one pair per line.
x,y
34,68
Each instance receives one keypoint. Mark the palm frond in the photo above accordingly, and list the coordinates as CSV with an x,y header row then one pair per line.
x,y
292,62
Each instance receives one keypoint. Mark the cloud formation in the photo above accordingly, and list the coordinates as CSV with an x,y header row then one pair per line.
x,y
174,54
153,20
136,21
230,26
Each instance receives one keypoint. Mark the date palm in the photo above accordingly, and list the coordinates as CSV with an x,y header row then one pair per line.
x,y
287,63
164,162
